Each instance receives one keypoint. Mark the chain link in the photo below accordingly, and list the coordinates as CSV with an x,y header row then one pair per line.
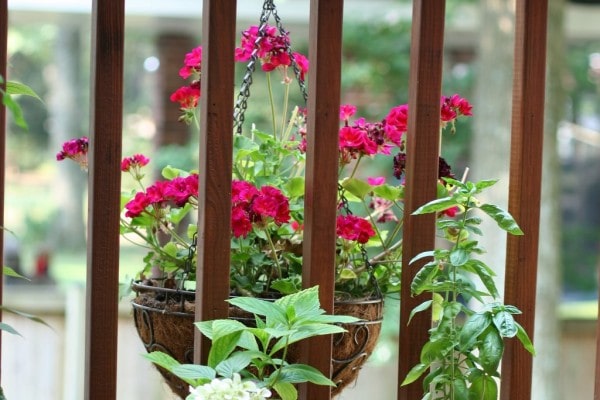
x,y
189,260
241,103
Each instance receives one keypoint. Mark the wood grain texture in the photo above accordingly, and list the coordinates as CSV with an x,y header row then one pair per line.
x,y
422,173
525,186
216,147
325,54
3,64
104,198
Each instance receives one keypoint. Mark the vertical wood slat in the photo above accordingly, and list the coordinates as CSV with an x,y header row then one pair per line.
x,y
3,64
216,151
422,174
325,53
525,186
104,199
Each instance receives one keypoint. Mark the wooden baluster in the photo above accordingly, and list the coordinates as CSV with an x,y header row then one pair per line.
x,y
325,54
422,174
525,186
216,147
104,199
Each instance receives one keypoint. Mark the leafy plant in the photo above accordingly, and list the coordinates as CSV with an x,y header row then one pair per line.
x,y
16,88
466,343
254,359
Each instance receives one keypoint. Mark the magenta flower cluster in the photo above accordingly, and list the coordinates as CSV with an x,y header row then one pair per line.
x,y
272,51
177,191
76,150
250,206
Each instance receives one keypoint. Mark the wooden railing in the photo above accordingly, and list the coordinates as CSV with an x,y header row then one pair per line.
x,y
325,27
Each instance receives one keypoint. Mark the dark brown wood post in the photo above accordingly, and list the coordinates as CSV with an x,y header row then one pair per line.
x,y
525,186
325,54
422,174
104,199
216,148
3,62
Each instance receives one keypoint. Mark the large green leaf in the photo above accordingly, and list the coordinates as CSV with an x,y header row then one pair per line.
x,y
421,307
436,205
162,359
7,328
237,362
424,277
524,339
414,373
483,387
475,325
389,192
295,186
458,257
194,374
13,87
25,315
357,187
298,373
490,351
505,323
502,218
286,390
265,308
222,347
8,271
305,303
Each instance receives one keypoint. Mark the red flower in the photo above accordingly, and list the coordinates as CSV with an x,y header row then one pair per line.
x,y
186,96
270,202
135,161
351,227
137,205
191,63
347,111
302,63
396,124
240,221
242,192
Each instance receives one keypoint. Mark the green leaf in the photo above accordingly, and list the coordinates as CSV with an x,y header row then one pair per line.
x,y
286,391
170,172
503,218
422,255
414,374
268,309
162,359
13,87
298,373
237,362
295,187
357,187
192,373
15,110
475,325
436,205
347,273
483,387
421,307
524,339
8,271
490,351
25,315
485,183
222,347
483,272
505,323
7,328
305,302
459,388
389,192
424,277
458,257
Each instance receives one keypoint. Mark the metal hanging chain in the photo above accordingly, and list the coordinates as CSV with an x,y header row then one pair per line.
x,y
241,103
363,251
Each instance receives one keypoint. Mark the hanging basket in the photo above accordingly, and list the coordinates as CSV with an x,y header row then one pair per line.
x,y
164,319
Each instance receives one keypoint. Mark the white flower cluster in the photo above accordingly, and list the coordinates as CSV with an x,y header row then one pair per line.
x,y
229,389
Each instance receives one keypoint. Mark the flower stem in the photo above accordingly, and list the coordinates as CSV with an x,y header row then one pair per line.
x,y
272,102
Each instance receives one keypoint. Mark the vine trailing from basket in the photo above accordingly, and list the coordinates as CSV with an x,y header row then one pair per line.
x,y
249,362
267,214
466,344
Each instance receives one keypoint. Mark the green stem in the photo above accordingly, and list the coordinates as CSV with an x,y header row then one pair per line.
x,y
274,257
285,107
272,102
